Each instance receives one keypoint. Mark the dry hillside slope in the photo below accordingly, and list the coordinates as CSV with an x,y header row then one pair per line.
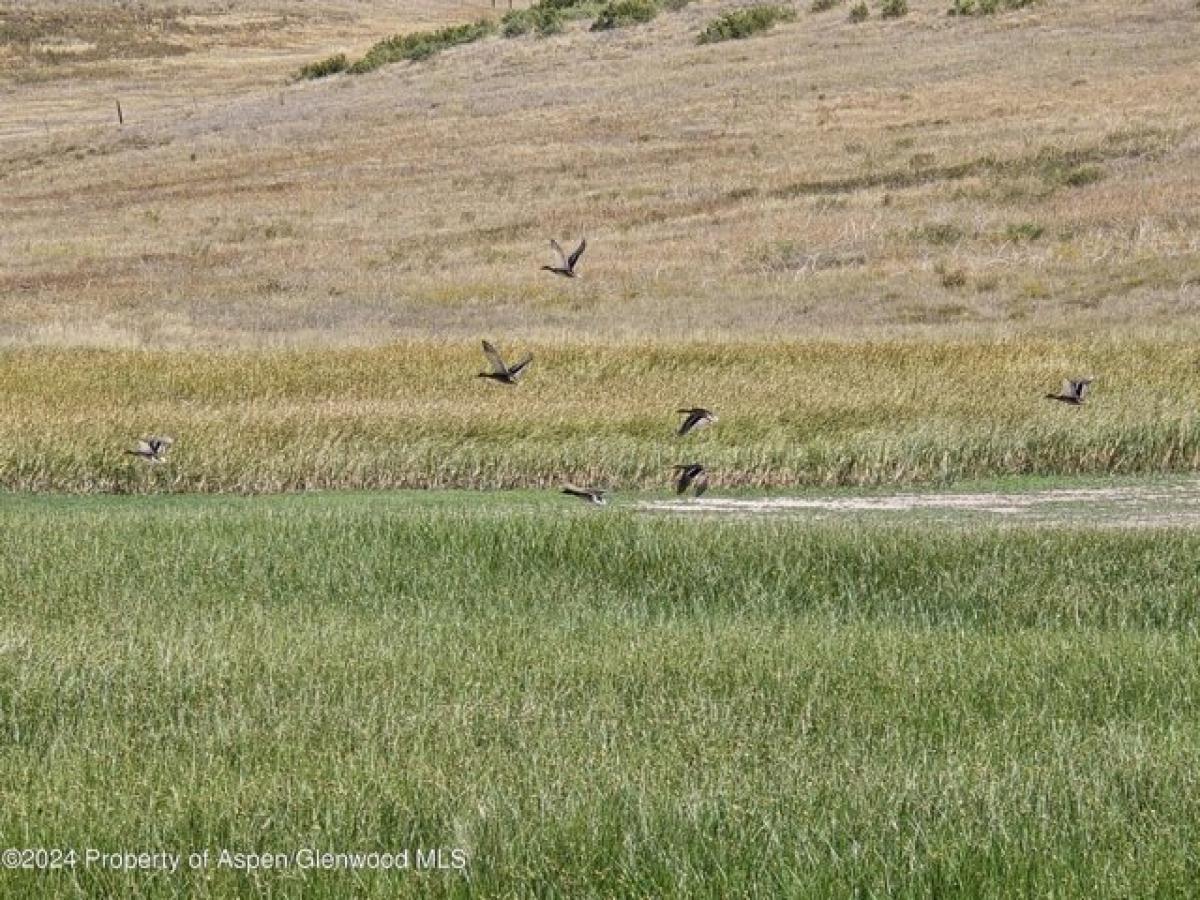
x,y
1032,171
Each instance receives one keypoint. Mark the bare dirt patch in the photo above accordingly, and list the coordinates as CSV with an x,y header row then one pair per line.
x,y
1158,504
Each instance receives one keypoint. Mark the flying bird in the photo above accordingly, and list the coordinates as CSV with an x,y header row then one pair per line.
x,y
502,372
1074,392
566,264
152,449
691,475
697,417
591,496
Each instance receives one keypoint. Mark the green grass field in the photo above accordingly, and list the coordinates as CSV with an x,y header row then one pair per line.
x,y
592,702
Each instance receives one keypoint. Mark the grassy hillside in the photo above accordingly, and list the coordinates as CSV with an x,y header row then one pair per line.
x,y
595,704
1022,173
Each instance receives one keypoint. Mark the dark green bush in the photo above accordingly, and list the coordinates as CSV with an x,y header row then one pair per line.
x,y
568,9
893,9
823,5
322,68
985,7
859,12
565,5
544,20
421,44
516,23
741,23
619,13
549,22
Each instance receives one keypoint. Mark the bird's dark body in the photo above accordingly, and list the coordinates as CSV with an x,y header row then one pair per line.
x,y
498,377
691,475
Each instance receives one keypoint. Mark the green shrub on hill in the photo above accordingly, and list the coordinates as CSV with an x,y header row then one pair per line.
x,y
543,21
421,44
324,67
619,13
985,7
741,23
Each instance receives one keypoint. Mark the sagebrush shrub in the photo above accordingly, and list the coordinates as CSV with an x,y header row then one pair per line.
x,y
324,67
741,23
421,44
544,20
619,13
984,7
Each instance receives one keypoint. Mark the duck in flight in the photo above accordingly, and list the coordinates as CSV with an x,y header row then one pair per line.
x,y
1074,391
697,417
566,264
152,449
501,371
591,496
691,475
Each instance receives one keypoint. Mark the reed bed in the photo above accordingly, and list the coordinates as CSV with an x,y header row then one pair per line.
x,y
415,415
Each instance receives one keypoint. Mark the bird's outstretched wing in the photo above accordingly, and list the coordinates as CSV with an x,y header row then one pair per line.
x,y
574,257
693,419
1082,387
1068,388
700,482
494,358
520,366
562,257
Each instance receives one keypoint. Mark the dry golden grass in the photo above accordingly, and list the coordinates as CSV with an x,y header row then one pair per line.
x,y
1029,173
415,415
